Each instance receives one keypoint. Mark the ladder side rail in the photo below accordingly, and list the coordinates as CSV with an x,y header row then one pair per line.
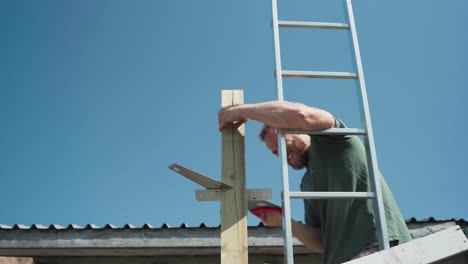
x,y
287,228
374,176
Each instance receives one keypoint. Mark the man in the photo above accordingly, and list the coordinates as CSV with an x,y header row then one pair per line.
x,y
342,229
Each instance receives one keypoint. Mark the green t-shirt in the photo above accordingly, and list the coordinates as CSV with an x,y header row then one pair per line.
x,y
338,163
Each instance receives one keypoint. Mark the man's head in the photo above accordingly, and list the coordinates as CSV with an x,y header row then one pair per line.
x,y
296,146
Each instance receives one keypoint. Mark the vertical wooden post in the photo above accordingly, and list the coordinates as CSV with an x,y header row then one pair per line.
x,y
234,244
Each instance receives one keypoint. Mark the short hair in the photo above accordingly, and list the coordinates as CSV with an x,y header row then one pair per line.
x,y
264,131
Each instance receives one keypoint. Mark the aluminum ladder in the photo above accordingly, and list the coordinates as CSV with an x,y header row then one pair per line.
x,y
366,132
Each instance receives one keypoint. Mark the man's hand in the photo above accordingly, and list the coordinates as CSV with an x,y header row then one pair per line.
x,y
229,115
310,236
271,218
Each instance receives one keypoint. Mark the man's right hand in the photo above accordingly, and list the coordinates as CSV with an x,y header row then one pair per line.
x,y
271,218
310,236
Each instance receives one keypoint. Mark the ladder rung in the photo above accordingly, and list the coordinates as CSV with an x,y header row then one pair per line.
x,y
321,25
330,131
320,74
331,195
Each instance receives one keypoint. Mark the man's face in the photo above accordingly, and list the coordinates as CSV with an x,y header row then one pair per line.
x,y
296,146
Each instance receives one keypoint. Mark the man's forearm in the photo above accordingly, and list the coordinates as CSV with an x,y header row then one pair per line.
x,y
311,237
282,114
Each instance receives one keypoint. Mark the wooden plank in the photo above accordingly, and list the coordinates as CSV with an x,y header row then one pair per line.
x,y
16,260
215,195
234,245
428,249
129,242
418,230
212,259
133,260
127,252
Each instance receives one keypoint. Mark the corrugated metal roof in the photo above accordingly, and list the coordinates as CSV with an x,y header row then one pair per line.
x,y
433,220
182,226
147,240
92,226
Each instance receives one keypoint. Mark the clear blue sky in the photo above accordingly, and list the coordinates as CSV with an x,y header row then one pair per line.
x,y
97,98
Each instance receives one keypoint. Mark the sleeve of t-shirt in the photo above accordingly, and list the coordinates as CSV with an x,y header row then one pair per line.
x,y
311,216
333,139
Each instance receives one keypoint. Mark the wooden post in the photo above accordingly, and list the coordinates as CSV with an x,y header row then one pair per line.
x,y
234,244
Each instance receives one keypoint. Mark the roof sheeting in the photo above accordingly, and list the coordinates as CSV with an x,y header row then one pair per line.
x,y
183,225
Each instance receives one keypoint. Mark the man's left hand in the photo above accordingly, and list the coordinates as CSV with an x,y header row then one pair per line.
x,y
229,115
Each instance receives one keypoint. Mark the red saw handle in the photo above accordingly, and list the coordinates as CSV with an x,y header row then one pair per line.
x,y
259,210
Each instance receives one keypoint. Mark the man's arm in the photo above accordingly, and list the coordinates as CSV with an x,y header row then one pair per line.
x,y
310,236
279,114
